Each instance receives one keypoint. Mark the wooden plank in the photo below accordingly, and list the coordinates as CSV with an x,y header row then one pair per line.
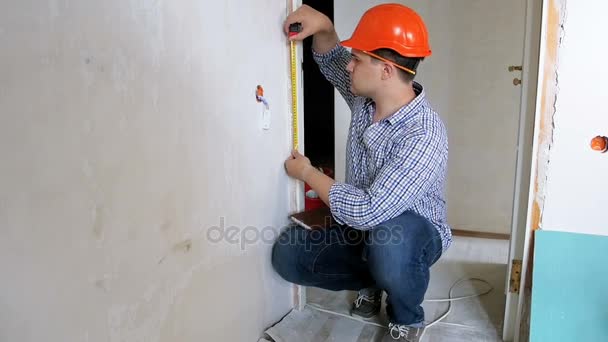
x,y
482,235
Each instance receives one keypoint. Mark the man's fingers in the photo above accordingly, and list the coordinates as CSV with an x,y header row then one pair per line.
x,y
286,26
300,36
293,18
301,15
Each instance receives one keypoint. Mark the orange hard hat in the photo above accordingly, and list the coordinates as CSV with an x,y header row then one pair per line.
x,y
391,26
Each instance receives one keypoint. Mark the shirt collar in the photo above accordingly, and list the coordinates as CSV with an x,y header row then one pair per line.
x,y
409,109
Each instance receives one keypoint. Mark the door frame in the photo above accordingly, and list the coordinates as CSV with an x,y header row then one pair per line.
x,y
296,188
552,14
525,166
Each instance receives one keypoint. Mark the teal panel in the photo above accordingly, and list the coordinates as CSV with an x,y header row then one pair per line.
x,y
570,288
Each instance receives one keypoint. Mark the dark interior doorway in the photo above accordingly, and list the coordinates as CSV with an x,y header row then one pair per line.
x,y
318,101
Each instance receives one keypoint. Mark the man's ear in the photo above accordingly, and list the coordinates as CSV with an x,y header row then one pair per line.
x,y
388,71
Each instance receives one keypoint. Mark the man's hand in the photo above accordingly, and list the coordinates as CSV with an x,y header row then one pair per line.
x,y
298,166
313,23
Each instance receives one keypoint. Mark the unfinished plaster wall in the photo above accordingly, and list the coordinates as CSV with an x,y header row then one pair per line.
x,y
575,198
129,129
553,18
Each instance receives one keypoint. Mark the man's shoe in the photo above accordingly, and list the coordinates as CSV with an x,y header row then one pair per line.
x,y
368,303
402,333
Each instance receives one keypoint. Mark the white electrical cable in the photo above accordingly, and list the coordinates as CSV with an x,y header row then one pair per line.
x,y
449,300
320,308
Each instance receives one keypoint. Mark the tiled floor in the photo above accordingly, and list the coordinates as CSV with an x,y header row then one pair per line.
x,y
475,319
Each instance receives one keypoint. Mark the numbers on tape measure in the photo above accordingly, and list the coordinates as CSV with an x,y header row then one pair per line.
x,y
294,29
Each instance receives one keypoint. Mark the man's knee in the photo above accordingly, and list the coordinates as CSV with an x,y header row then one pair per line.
x,y
285,252
398,247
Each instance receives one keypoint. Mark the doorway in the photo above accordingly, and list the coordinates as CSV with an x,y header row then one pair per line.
x,y
483,54
319,131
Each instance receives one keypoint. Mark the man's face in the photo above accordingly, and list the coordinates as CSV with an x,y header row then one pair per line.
x,y
364,74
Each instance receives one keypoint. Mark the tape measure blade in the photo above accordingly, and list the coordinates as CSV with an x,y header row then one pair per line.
x,y
294,93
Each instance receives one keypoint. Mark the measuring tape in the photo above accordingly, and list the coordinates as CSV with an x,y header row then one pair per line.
x,y
294,29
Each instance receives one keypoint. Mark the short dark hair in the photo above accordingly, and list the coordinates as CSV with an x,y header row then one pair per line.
x,y
408,62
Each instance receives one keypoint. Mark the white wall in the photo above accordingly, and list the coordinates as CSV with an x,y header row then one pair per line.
x,y
127,129
577,177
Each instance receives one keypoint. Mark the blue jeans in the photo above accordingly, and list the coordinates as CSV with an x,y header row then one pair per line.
x,y
394,256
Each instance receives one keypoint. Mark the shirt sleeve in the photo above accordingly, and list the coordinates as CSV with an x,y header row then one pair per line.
x,y
415,167
333,66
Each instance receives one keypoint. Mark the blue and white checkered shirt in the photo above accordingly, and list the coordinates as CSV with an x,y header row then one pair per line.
x,y
393,165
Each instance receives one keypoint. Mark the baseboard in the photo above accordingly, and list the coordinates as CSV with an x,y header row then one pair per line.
x,y
482,235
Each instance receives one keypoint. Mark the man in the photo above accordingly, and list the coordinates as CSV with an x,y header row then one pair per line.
x,y
391,209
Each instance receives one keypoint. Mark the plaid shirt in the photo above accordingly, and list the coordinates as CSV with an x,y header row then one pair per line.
x,y
394,165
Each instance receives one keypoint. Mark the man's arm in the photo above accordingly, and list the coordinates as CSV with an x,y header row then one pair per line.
x,y
399,185
325,41
333,67
418,164
299,167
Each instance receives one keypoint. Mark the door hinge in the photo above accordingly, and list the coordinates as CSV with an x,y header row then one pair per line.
x,y
515,278
515,68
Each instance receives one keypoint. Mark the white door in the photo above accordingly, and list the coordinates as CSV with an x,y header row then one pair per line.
x,y
468,82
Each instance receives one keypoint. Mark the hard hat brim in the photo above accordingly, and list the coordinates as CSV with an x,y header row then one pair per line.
x,y
402,50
